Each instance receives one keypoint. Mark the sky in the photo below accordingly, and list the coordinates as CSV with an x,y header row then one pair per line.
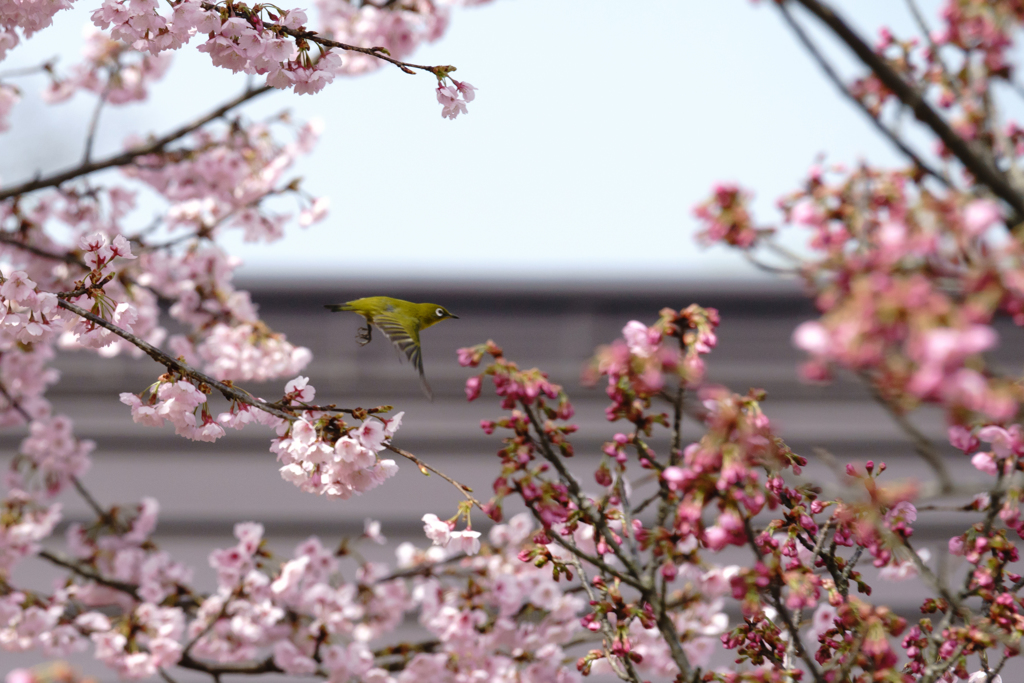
x,y
598,125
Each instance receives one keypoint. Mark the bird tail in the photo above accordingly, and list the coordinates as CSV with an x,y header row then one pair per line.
x,y
426,387
338,307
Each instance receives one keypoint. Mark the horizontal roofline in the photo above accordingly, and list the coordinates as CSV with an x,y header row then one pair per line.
x,y
750,298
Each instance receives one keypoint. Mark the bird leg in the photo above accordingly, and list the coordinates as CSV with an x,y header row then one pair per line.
x,y
363,334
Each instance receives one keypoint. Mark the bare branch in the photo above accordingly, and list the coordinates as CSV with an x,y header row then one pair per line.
x,y
11,239
263,666
463,489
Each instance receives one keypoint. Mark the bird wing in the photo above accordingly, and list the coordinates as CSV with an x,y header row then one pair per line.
x,y
406,338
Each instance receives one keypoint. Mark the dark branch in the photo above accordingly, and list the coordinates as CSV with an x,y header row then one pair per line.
x,y
128,588
838,82
976,163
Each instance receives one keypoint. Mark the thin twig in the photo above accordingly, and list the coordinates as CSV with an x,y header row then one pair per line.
x,y
922,444
94,124
128,157
629,674
582,502
922,26
425,570
82,491
781,609
128,588
90,501
463,489
9,238
14,403
263,666
592,559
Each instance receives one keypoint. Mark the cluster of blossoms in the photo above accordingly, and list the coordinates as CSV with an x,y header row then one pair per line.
x,y
490,615
110,69
885,314
133,48
317,460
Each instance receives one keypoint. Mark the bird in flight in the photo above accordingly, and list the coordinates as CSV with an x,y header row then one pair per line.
x,y
400,321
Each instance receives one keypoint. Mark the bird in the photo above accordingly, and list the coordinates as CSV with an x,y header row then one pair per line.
x,y
400,321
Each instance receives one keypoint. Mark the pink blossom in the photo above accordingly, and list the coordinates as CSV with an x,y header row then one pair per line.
x,y
467,541
438,531
473,385
1004,441
984,677
822,621
674,477
468,91
962,438
292,660
371,530
300,389
391,425
806,213
641,340
9,96
812,337
980,215
451,104
18,287
984,462
315,213
20,676
903,570
371,435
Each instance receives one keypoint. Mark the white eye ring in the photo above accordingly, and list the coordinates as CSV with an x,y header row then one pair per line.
x,y
439,312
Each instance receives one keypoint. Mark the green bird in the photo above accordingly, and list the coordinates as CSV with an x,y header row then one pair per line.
x,y
400,321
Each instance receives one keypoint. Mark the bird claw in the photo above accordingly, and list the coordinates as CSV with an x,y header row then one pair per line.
x,y
363,335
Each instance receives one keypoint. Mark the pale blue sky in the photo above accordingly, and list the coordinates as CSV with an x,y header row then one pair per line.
x,y
597,126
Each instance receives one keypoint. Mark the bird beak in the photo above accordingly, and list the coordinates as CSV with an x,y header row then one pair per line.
x,y
453,316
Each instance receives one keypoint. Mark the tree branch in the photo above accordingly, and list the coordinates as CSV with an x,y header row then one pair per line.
x,y
463,489
976,163
128,588
838,82
781,609
128,157
228,391
922,444
313,37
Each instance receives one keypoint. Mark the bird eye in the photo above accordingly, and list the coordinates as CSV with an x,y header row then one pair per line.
x,y
439,312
